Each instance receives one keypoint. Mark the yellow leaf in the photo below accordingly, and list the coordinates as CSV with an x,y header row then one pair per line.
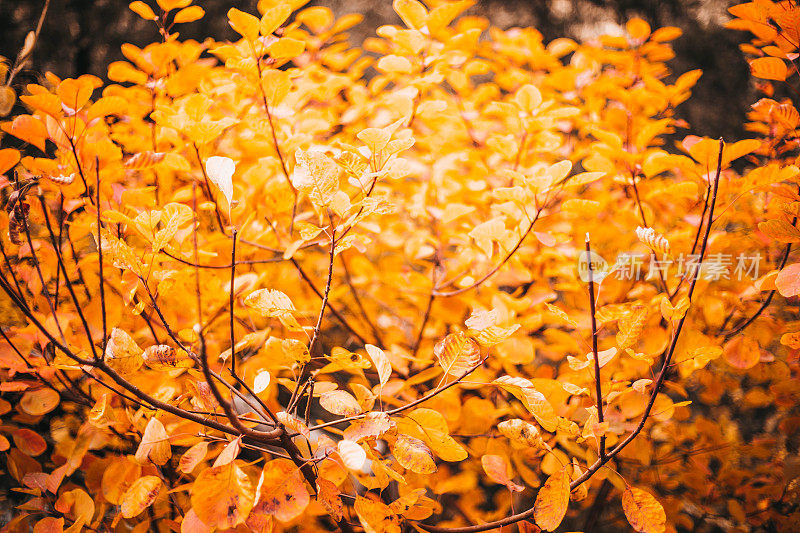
x,y
286,47
457,353
440,17
277,85
8,98
317,18
431,427
523,432
412,12
339,402
220,171
528,98
154,445
165,357
140,495
552,501
273,18
317,175
631,327
352,454
394,64
414,455
270,303
380,362
122,353
533,400
244,24
643,511
223,496
654,241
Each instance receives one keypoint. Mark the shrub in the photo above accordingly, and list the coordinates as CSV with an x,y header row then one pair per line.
x,y
284,282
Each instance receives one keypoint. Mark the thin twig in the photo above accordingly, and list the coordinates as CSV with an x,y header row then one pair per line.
x,y
597,382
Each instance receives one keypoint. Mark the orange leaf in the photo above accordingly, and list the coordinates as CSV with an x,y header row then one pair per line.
x,y
140,495
8,159
29,442
193,457
780,230
29,129
638,29
376,517
497,469
328,496
143,10
414,455
552,501
222,496
74,93
154,445
39,402
281,490
769,68
229,452
49,525
643,511
189,14
742,352
788,281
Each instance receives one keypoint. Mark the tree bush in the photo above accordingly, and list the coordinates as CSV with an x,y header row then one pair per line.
x,y
457,280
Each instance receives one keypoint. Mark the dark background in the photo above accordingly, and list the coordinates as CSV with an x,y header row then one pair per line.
x,y
84,36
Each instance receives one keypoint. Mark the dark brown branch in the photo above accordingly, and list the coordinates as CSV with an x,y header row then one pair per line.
x,y
597,382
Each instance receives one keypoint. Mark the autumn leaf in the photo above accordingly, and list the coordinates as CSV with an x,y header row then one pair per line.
x,y
193,457
643,511
317,175
281,490
552,501
381,363
154,446
375,516
457,353
533,400
39,402
497,469
140,495
339,402
769,68
414,455
220,171
222,496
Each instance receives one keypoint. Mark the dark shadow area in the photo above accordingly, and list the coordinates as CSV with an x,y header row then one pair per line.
x,y
84,36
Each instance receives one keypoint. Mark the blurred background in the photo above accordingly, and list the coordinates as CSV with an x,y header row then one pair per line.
x,y
84,36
